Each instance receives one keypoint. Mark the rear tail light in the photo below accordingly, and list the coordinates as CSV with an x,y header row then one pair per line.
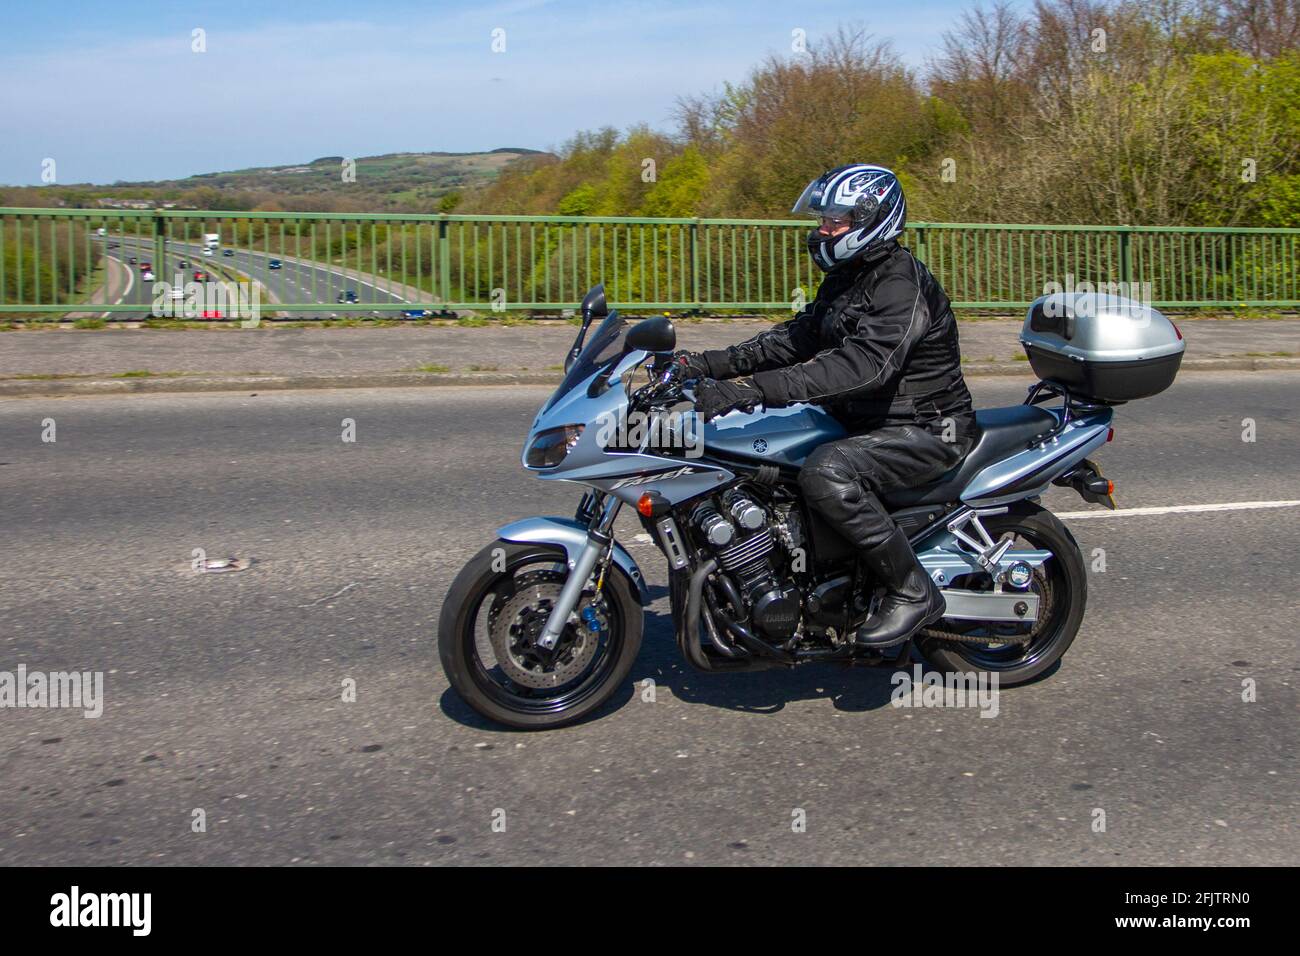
x,y
1110,434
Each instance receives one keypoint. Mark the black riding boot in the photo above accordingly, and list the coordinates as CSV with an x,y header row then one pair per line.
x,y
911,600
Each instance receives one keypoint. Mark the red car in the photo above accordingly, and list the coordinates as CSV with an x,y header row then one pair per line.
x,y
200,275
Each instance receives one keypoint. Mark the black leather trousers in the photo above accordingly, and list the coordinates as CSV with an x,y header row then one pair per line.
x,y
843,480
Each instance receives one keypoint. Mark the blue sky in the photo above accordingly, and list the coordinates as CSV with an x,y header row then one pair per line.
x,y
113,91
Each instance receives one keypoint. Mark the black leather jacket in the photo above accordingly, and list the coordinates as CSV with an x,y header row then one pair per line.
x,y
876,346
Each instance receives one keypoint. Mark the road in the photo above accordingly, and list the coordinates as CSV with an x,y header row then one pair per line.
x,y
223,691
296,281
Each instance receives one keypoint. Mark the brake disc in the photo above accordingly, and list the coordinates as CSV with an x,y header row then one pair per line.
x,y
515,625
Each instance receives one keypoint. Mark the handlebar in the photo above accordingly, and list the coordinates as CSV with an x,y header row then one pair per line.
x,y
665,388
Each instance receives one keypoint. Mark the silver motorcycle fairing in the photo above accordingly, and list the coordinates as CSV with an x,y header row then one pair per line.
x,y
625,475
571,535
1030,472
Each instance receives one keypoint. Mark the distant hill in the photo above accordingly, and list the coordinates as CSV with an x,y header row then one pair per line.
x,y
396,182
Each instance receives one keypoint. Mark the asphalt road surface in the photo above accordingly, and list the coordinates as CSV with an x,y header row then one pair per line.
x,y
223,692
296,281
139,290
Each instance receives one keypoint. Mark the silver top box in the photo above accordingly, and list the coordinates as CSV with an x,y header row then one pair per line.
x,y
1099,327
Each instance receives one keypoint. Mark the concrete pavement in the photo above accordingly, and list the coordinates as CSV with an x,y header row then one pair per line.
x,y
216,358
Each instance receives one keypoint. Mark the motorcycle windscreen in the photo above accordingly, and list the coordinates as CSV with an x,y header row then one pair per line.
x,y
603,346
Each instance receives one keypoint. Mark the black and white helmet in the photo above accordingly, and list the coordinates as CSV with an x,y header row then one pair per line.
x,y
870,197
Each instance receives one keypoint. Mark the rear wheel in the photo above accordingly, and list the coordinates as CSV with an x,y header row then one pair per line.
x,y
491,619
1022,651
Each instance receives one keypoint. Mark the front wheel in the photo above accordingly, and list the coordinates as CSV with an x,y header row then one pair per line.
x,y
1018,653
490,622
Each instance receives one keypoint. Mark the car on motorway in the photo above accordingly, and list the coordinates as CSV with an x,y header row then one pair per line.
x,y
114,245
416,313
227,252
349,296
207,252
182,265
200,275
273,264
146,275
130,260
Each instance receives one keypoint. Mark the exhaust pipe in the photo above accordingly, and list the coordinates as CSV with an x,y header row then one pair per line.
x,y
728,657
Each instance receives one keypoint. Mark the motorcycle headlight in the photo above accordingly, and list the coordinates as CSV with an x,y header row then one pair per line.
x,y
549,447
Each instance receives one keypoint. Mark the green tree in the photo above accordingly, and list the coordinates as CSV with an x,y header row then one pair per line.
x,y
681,188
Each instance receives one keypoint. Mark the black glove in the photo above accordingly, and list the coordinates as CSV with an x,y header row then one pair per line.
x,y
714,398
693,364
715,363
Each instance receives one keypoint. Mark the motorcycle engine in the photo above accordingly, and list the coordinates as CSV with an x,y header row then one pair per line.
x,y
743,538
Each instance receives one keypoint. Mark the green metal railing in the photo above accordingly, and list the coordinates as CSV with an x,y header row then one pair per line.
x,y
58,261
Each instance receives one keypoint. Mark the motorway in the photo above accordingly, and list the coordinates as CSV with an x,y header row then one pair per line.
x,y
297,281
223,691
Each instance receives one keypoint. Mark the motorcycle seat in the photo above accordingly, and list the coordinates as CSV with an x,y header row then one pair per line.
x,y
1002,433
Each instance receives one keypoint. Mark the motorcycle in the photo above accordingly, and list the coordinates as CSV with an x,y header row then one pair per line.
x,y
544,624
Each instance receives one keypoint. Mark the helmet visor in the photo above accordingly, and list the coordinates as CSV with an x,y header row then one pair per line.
x,y
815,203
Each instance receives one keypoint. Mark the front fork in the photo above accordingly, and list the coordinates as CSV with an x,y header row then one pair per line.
x,y
581,568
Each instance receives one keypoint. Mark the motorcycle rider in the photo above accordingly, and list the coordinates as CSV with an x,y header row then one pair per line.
x,y
877,348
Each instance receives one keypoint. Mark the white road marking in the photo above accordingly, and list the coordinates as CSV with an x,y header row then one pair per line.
x,y
327,270
1179,509
130,280
113,260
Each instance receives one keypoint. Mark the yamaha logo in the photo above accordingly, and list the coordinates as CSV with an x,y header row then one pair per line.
x,y
760,446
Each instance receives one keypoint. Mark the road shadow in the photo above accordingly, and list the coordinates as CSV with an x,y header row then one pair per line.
x,y
454,707
854,689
